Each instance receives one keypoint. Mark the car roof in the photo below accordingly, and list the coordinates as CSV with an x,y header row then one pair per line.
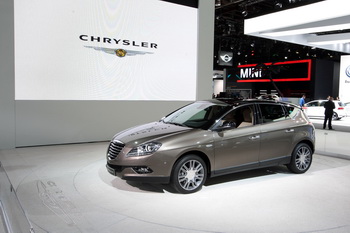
x,y
337,101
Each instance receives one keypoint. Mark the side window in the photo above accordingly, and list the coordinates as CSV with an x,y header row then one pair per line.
x,y
241,116
313,104
322,103
272,112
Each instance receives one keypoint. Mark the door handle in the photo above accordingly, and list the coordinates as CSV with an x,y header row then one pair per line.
x,y
254,137
289,130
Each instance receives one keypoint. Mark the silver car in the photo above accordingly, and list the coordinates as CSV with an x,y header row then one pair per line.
x,y
212,138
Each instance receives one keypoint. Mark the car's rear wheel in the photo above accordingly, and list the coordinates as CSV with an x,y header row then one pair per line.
x,y
301,158
189,174
335,116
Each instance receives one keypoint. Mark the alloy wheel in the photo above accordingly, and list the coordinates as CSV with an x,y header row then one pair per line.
x,y
303,158
191,175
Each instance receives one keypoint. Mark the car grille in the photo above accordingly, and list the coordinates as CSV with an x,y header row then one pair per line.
x,y
114,149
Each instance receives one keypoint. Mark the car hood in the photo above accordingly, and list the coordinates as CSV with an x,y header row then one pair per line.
x,y
147,132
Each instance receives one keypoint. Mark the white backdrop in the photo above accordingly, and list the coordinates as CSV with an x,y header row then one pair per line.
x,y
53,62
46,122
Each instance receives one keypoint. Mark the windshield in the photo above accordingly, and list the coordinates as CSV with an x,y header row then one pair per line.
x,y
197,115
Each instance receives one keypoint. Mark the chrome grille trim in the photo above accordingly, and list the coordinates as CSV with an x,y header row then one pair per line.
x,y
114,149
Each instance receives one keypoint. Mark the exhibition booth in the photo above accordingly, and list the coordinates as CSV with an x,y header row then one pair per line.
x,y
94,68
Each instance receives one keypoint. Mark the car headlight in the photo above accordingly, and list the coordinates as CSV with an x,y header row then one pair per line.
x,y
144,149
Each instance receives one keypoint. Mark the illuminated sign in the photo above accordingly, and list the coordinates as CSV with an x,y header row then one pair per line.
x,y
344,78
280,71
225,58
347,71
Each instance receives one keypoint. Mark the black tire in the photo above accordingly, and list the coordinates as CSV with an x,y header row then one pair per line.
x,y
335,116
301,159
189,174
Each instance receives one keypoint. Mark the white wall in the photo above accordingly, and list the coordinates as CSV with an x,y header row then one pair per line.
x,y
28,123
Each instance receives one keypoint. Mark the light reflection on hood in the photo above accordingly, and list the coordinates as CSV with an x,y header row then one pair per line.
x,y
148,132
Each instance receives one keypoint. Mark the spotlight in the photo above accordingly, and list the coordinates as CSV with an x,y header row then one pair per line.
x,y
244,13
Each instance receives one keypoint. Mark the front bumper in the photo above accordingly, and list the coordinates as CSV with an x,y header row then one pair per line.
x,y
129,173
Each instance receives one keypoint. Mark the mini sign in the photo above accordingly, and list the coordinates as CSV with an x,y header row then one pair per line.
x,y
279,72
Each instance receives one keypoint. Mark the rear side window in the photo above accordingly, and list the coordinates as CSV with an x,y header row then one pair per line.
x,y
272,113
341,104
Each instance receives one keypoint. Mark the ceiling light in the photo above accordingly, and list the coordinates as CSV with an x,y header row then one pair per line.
x,y
296,24
331,42
340,38
308,30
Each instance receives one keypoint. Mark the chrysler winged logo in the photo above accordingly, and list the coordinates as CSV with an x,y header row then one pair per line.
x,y
118,52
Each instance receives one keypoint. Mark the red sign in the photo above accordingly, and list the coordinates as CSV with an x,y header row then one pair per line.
x,y
280,71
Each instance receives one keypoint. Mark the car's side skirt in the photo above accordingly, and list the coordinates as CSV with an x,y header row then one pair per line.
x,y
266,163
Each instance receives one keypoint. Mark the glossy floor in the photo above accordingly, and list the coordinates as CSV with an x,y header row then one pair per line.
x,y
66,188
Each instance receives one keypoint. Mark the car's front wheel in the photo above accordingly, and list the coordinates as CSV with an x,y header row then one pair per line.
x,y
189,174
301,159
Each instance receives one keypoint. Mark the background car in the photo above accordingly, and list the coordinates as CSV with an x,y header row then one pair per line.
x,y
316,109
347,108
212,138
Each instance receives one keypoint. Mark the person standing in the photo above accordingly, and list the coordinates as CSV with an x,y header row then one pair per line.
x,y
328,113
302,101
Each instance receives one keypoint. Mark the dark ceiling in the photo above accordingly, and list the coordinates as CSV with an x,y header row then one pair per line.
x,y
229,36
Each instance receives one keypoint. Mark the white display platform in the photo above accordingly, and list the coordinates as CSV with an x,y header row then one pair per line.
x,y
66,188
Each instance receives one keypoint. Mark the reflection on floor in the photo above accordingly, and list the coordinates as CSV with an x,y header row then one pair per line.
x,y
66,188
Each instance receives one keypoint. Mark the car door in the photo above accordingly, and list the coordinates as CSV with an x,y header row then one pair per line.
x,y
237,148
321,109
276,135
313,109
